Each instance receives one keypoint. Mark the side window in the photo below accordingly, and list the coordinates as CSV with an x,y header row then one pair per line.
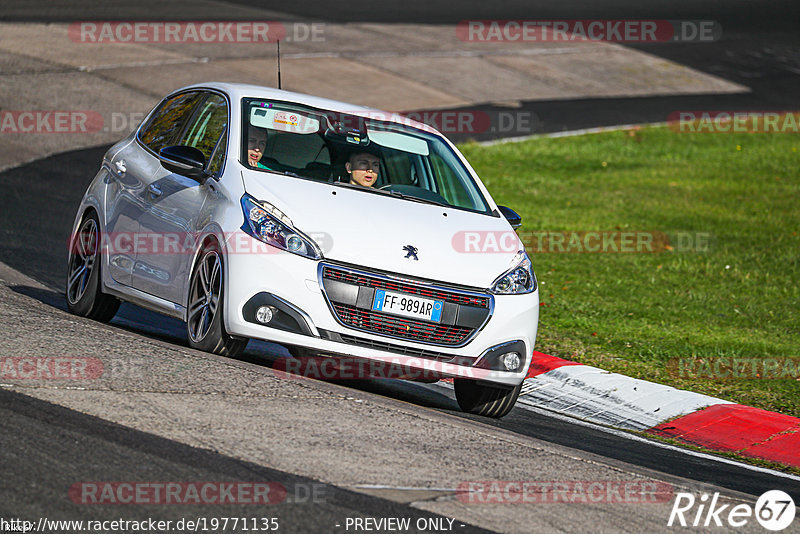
x,y
167,123
207,126
454,186
219,154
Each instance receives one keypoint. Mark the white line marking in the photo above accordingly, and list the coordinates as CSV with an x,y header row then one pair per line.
x,y
176,61
570,133
405,488
437,53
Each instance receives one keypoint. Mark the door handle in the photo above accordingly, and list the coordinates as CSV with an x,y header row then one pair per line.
x,y
154,190
120,165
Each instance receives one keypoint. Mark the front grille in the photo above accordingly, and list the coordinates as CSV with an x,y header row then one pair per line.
x,y
380,283
351,293
424,331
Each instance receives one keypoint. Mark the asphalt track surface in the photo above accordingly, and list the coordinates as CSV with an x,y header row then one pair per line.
x,y
760,49
56,447
759,46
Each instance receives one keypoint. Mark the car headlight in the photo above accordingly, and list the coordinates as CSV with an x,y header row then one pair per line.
x,y
517,280
265,222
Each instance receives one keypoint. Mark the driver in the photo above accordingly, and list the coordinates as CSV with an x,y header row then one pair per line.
x,y
363,167
256,144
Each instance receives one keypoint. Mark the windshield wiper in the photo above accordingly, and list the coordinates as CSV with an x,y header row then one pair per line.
x,y
417,199
396,194
356,186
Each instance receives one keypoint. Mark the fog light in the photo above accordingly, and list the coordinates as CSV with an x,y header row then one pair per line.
x,y
511,360
264,314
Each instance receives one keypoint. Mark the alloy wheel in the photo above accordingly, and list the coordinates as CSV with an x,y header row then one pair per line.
x,y
83,254
204,296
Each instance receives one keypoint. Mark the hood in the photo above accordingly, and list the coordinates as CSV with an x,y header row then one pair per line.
x,y
371,230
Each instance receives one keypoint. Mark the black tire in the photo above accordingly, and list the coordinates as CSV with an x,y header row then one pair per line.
x,y
204,325
481,399
82,292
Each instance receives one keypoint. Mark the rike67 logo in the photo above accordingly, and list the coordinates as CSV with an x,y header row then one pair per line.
x,y
774,510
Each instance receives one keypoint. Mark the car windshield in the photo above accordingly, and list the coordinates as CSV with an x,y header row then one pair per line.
x,y
368,154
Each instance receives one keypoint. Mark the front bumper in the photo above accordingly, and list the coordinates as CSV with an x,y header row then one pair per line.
x,y
310,319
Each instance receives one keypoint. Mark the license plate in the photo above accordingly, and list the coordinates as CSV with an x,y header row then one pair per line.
x,y
407,305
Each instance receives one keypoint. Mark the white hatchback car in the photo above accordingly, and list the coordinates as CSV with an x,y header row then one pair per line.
x,y
333,229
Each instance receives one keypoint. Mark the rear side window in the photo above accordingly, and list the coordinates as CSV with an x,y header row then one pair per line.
x,y
168,121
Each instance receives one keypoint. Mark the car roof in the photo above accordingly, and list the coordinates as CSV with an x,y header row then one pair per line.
x,y
237,91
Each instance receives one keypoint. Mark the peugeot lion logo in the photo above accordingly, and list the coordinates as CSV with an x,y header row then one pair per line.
x,y
412,252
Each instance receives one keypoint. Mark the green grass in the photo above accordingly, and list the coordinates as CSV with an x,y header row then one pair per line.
x,y
633,312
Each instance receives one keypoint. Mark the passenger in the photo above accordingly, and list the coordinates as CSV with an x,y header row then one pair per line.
x,y
363,167
256,144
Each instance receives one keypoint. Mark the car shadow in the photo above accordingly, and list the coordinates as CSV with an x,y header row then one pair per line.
x,y
152,325
47,296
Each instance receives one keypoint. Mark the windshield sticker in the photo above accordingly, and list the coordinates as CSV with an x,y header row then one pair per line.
x,y
283,117
284,121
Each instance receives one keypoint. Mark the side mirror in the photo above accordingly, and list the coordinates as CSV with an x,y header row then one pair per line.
x,y
184,160
513,218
